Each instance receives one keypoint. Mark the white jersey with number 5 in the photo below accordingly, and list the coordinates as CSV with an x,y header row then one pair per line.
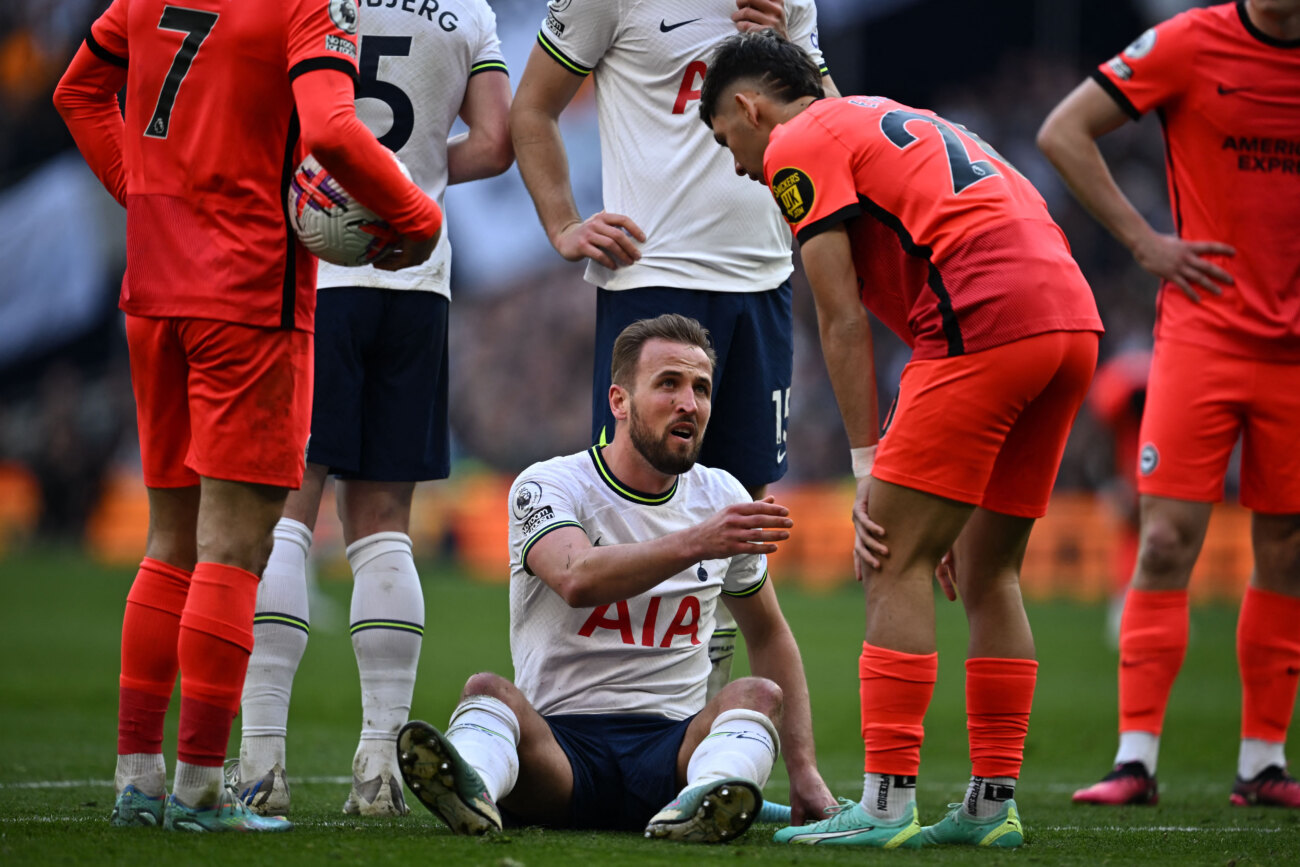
x,y
416,59
706,228
644,655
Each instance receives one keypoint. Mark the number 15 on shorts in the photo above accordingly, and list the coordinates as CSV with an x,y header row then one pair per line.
x,y
781,401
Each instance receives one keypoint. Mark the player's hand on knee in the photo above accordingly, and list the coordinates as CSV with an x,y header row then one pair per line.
x,y
868,547
408,252
612,240
1181,263
744,528
946,574
760,15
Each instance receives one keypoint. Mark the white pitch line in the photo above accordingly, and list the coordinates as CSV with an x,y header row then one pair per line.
x,y
79,784
1157,829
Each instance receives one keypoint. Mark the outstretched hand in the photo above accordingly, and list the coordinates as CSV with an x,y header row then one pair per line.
x,y
760,15
743,528
1180,262
608,239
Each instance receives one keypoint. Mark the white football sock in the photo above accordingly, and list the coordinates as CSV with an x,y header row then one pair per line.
x,y
485,731
986,796
387,627
146,771
888,796
280,629
198,785
1141,747
741,743
1256,755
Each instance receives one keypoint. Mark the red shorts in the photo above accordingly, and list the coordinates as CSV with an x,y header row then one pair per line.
x,y
221,400
989,428
1198,403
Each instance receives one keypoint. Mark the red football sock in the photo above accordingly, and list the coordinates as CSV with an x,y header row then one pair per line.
x,y
999,694
149,631
1268,655
216,638
895,693
1152,644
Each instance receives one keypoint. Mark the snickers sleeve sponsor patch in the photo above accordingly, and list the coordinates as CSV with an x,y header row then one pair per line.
x,y
810,174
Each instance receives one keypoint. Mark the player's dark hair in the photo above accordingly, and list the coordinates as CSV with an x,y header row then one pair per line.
x,y
672,327
782,69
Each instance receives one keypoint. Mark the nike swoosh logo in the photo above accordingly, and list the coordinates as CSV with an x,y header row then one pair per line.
x,y
780,456
665,27
1224,91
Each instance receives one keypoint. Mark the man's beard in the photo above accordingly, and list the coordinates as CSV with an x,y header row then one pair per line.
x,y
656,450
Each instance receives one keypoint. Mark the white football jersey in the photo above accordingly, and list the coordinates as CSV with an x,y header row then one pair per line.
x,y
416,58
706,227
644,655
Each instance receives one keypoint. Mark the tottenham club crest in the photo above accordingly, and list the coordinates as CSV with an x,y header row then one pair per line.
x,y
1148,460
528,496
344,15
1141,46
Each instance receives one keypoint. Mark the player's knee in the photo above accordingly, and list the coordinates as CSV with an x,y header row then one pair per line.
x,y
754,693
490,684
1165,553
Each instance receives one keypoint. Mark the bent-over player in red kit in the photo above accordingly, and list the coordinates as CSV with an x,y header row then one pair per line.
x,y
1226,362
222,101
916,219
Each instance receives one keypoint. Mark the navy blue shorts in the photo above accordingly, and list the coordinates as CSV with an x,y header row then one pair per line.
x,y
379,409
753,335
624,767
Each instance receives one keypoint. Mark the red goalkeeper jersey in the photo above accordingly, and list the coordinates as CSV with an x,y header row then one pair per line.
x,y
954,250
1228,97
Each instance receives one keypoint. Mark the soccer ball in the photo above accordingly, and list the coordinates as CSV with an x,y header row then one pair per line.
x,y
330,223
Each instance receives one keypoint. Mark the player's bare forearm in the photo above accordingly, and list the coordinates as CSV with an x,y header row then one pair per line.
x,y
585,575
544,91
774,654
845,331
1068,138
829,87
486,150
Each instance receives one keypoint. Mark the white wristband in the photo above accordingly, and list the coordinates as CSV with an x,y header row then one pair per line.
x,y
862,458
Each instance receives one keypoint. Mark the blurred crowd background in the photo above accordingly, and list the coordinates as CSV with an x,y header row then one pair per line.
x,y
523,319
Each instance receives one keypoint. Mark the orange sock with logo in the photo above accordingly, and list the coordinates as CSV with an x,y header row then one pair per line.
x,y
1268,656
149,632
999,695
1152,644
895,692
216,638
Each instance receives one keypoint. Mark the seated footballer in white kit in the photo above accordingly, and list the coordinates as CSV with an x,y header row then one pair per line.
x,y
619,556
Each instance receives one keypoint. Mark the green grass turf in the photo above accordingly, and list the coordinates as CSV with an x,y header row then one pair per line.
x,y
61,617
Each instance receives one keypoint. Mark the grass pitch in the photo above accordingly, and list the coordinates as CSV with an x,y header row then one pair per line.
x,y
61,616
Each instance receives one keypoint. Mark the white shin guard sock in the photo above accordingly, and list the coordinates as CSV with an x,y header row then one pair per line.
x,y
741,743
1256,755
1141,747
280,629
387,628
485,731
888,796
